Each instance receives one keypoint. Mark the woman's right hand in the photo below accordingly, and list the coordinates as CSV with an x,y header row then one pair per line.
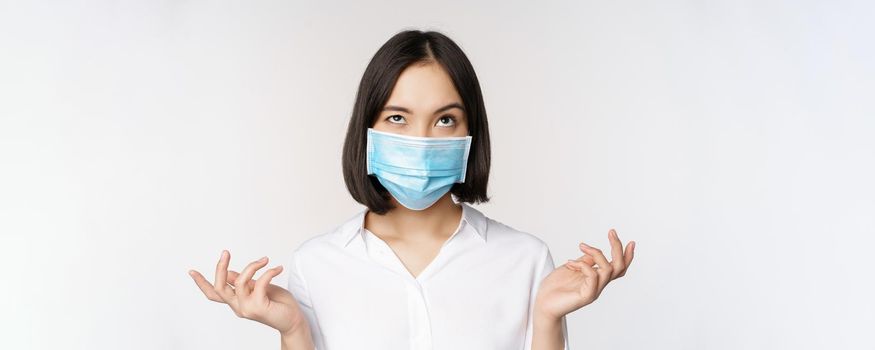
x,y
257,300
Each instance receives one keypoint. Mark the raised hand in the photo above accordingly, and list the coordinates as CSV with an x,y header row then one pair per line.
x,y
580,281
257,300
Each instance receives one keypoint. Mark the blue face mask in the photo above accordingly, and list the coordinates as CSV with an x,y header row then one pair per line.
x,y
417,171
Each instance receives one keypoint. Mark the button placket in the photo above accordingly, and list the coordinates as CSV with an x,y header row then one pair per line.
x,y
420,325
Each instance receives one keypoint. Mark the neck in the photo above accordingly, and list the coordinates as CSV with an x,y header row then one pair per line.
x,y
437,221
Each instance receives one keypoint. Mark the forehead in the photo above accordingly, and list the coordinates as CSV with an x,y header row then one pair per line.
x,y
423,86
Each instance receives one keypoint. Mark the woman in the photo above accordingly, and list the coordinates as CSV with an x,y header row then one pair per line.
x,y
419,268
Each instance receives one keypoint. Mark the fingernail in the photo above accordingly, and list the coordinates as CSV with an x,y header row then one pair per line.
x,y
584,245
614,233
263,259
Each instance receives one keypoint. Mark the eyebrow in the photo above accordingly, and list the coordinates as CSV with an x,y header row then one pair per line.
x,y
444,108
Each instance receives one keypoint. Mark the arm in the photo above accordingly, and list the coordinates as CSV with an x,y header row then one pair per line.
x,y
548,333
297,340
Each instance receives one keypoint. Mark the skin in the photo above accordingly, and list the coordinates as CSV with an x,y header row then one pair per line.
x,y
424,102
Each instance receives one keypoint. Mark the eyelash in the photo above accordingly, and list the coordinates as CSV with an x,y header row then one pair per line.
x,y
452,119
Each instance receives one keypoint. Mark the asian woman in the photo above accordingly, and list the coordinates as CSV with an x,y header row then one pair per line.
x,y
419,267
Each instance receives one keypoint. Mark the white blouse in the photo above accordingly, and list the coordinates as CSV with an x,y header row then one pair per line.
x,y
477,293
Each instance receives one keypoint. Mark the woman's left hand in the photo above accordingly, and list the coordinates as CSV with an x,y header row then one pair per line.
x,y
578,282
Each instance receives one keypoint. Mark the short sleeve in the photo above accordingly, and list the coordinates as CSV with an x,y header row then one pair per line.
x,y
545,267
297,285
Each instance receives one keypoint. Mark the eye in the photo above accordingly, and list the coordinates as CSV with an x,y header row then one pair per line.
x,y
396,119
446,121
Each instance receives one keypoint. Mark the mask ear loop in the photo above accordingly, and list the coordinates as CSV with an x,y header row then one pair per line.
x,y
369,146
465,158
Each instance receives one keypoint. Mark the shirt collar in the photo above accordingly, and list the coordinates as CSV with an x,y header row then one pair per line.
x,y
354,227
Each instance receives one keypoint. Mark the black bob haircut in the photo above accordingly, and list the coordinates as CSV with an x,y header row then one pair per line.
x,y
400,51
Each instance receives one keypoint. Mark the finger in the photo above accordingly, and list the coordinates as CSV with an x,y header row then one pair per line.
x,y
617,259
220,285
590,289
205,286
605,269
232,276
572,264
586,258
264,280
629,255
241,283
576,265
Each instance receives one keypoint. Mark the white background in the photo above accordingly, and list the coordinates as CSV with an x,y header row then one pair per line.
x,y
733,140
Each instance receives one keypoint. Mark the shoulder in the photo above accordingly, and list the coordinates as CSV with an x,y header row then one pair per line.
x,y
527,251
330,240
497,233
504,236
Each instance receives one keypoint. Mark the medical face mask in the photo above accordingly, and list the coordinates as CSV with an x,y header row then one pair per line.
x,y
417,171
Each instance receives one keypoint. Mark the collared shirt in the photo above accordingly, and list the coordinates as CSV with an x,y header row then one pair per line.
x,y
478,293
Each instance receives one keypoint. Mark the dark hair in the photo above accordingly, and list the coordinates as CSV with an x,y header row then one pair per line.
x,y
399,52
